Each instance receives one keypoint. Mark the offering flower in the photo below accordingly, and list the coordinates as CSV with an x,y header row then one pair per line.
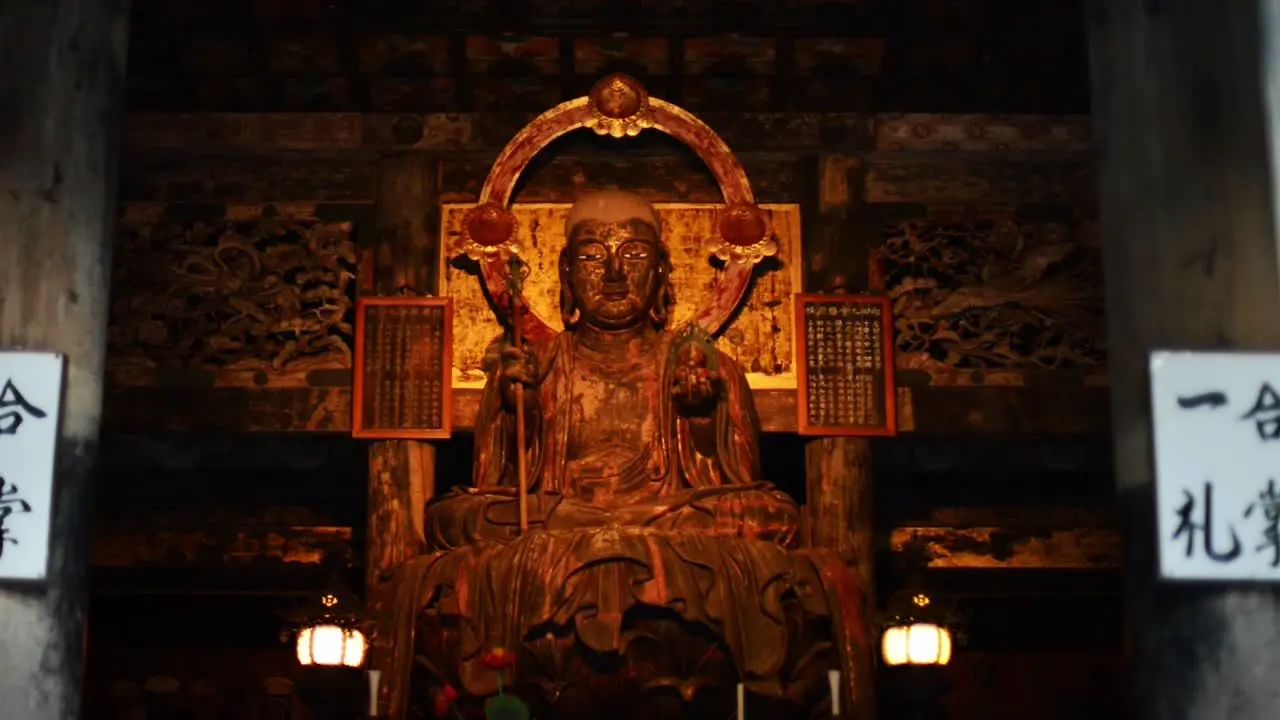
x,y
502,707
497,659
444,702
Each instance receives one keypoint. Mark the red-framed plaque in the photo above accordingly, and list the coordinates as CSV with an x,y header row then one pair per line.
x,y
403,367
844,365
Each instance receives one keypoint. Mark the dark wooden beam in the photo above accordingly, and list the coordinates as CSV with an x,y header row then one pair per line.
x,y
159,183
294,580
675,64
259,45
1022,518
305,579
667,175
991,538
810,132
248,546
1061,409
299,180
977,539
487,17
344,30
1009,548
211,181
999,583
227,410
950,178
218,538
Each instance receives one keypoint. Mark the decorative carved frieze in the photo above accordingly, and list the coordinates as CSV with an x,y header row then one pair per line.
x,y
994,295
266,295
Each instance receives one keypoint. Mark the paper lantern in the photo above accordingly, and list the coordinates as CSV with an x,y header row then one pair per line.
x,y
331,646
916,644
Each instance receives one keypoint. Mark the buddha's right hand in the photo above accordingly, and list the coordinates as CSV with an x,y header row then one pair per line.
x,y
517,367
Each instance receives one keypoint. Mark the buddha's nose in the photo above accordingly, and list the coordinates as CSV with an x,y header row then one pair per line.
x,y
613,269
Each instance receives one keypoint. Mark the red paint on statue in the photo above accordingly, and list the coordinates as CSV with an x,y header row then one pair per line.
x,y
743,225
490,225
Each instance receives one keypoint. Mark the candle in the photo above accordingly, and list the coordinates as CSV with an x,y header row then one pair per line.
x,y
833,681
375,678
742,702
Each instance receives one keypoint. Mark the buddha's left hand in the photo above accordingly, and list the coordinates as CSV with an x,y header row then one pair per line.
x,y
695,388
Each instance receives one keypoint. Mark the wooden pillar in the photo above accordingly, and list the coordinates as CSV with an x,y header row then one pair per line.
x,y
839,485
60,104
838,470
401,472
1185,132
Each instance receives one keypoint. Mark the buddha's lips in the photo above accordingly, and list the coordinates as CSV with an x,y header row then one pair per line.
x,y
615,295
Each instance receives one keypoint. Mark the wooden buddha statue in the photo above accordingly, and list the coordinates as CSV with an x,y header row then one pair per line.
x,y
627,424
658,570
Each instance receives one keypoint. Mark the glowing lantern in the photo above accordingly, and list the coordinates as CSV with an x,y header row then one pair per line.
x,y
331,646
330,629
916,634
916,644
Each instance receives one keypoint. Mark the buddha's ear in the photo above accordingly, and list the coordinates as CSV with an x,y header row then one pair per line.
x,y
568,306
563,265
664,263
666,299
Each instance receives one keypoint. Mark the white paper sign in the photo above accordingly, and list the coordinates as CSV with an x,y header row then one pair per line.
x,y
30,402
1216,419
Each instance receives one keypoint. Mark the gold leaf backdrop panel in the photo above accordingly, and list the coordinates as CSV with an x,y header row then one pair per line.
x,y
760,338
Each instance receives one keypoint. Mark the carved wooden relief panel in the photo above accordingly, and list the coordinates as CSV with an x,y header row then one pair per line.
x,y
760,338
245,296
995,297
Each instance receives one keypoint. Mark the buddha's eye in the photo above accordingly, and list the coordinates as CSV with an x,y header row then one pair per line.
x,y
591,251
634,251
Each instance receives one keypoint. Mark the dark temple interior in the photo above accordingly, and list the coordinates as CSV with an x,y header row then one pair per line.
x,y
940,148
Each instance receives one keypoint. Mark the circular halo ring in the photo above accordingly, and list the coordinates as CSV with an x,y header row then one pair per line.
x,y
667,118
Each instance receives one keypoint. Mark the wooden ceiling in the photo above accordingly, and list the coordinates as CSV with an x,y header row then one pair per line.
x,y
526,55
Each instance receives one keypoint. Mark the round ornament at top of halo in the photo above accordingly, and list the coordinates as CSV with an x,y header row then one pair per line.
x,y
619,107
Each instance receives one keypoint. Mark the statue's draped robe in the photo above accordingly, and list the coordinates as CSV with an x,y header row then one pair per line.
x,y
703,538
675,486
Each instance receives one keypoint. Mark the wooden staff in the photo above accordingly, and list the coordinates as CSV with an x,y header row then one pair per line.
x,y
514,278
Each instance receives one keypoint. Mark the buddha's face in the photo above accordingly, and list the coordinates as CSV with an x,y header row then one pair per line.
x,y
613,270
